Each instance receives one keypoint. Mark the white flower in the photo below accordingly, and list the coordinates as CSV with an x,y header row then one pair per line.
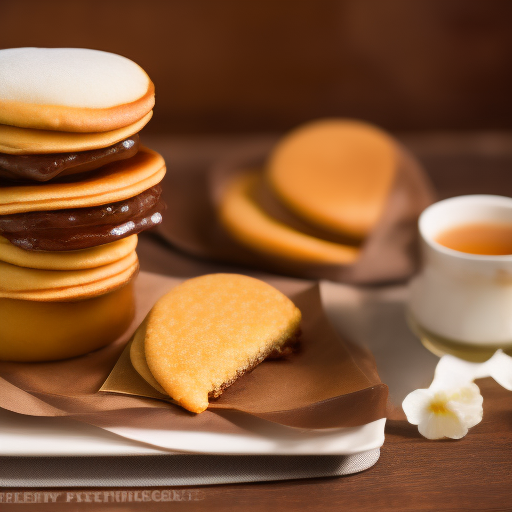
x,y
444,412
453,403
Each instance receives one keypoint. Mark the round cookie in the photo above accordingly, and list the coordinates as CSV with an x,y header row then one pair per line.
x,y
250,225
33,331
114,182
336,174
65,285
72,89
67,260
26,141
210,330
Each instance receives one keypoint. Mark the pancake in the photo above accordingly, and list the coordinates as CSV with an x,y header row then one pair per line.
x,y
249,224
72,90
26,141
112,183
69,260
65,285
336,174
43,168
81,228
208,331
32,331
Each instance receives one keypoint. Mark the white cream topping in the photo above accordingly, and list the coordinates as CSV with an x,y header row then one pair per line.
x,y
72,77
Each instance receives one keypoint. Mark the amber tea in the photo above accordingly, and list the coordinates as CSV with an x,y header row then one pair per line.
x,y
478,238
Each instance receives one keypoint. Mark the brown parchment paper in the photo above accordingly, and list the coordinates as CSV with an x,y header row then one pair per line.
x,y
329,383
389,253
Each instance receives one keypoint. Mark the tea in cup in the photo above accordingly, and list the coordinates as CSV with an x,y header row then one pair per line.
x,y
461,301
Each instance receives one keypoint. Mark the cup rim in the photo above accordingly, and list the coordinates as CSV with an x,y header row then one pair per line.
x,y
480,198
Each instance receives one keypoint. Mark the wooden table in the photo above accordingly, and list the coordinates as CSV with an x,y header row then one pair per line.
x,y
474,473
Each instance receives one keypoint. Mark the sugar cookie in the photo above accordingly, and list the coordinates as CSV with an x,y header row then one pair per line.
x,y
210,330
138,358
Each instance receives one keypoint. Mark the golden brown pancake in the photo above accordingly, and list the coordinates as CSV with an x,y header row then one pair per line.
x,y
335,173
82,121
65,285
250,225
73,105
67,260
27,141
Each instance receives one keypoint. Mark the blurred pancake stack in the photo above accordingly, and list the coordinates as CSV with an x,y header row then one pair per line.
x,y
320,195
75,189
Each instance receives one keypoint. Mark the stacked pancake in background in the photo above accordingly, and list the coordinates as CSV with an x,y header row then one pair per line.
x,y
75,189
322,192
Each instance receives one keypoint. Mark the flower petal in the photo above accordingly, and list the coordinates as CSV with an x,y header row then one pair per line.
x,y
467,402
437,426
501,369
452,372
415,405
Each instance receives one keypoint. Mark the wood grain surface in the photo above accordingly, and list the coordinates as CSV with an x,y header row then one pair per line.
x,y
474,473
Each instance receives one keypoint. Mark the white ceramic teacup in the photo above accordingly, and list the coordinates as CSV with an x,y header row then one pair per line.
x,y
461,297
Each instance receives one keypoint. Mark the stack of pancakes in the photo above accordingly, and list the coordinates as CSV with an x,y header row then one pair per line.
x,y
75,189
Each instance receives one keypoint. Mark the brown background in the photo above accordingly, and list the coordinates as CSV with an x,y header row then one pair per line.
x,y
227,66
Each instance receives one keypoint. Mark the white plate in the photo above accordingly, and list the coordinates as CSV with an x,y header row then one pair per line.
x,y
33,436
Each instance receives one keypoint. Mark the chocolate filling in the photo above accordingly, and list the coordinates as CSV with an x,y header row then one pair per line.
x,y
46,167
81,228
